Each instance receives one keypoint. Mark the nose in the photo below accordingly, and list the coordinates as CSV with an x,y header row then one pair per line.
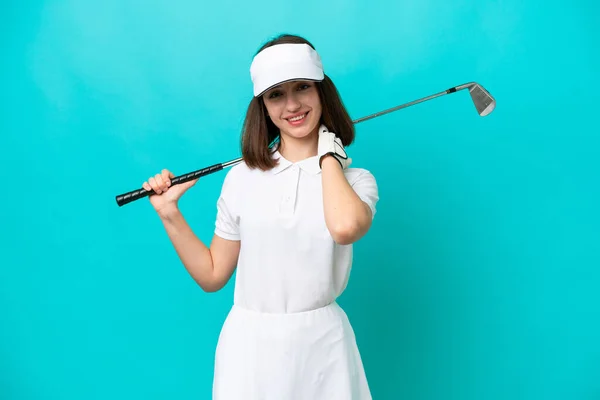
x,y
293,103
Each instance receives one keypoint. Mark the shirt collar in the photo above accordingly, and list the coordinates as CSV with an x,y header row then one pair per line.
x,y
310,164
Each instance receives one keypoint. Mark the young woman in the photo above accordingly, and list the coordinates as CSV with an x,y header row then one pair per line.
x,y
287,217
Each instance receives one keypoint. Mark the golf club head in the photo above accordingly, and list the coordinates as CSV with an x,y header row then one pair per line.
x,y
483,100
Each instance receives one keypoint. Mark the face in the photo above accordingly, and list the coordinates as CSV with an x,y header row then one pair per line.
x,y
294,107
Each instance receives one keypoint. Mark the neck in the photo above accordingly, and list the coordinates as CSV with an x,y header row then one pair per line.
x,y
298,149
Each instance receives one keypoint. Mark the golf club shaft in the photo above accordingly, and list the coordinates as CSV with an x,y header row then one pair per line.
x,y
412,103
141,193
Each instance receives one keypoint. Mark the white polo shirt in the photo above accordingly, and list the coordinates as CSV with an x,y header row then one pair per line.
x,y
288,261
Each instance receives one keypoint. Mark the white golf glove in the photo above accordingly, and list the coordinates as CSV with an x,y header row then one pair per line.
x,y
329,143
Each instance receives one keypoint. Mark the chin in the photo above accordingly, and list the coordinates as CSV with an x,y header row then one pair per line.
x,y
300,132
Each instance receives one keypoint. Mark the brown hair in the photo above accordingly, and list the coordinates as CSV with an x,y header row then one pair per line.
x,y
259,132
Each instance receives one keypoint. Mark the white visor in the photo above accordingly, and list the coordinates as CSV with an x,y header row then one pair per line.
x,y
282,63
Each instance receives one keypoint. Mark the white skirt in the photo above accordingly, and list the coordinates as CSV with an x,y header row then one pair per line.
x,y
310,355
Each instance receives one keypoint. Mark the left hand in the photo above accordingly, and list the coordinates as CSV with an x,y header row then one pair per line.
x,y
330,144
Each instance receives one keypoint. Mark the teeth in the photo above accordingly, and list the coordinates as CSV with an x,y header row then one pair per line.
x,y
298,118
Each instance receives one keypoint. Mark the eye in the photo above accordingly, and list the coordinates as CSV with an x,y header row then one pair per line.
x,y
274,94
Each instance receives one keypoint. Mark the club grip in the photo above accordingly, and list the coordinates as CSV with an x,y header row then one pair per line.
x,y
128,197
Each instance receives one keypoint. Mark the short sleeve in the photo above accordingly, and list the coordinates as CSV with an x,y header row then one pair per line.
x,y
365,186
227,221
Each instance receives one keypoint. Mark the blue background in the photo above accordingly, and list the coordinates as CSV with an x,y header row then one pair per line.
x,y
479,280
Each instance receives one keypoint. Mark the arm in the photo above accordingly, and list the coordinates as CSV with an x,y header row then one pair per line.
x,y
211,267
348,218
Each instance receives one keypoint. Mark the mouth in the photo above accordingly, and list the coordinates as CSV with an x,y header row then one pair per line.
x,y
297,119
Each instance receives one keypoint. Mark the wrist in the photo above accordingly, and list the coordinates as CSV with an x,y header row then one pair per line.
x,y
168,211
331,160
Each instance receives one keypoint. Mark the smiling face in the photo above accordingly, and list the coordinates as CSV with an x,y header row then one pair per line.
x,y
295,108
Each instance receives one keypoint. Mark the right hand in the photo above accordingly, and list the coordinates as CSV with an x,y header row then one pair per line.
x,y
331,144
166,196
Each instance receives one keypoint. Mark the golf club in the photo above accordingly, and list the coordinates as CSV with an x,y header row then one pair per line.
x,y
483,101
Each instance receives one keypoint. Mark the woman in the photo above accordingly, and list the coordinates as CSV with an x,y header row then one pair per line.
x,y
286,218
